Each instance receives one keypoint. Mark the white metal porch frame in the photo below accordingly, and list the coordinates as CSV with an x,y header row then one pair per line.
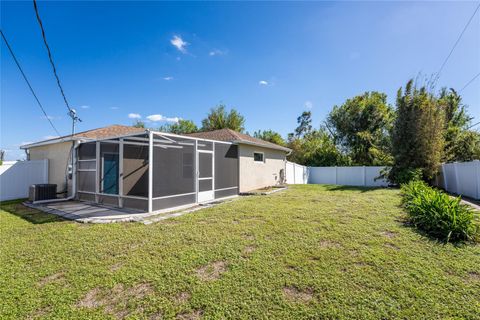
x,y
154,139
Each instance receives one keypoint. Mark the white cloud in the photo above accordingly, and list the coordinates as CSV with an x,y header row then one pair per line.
x,y
308,104
168,78
114,108
134,116
25,142
263,83
51,117
85,107
178,43
217,52
159,117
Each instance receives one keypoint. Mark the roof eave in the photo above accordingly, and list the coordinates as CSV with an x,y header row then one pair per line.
x,y
46,142
262,145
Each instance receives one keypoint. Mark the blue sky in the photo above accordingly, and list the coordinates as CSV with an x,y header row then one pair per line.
x,y
270,61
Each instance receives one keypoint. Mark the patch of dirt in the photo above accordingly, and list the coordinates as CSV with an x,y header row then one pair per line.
x,y
389,234
156,316
249,237
329,244
182,297
115,301
474,276
40,313
194,315
56,277
248,250
297,295
116,266
391,246
212,271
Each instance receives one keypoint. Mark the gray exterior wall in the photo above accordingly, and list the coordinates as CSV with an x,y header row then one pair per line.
x,y
255,175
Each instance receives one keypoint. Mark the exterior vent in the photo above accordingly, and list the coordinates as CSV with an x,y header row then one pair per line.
x,y
40,192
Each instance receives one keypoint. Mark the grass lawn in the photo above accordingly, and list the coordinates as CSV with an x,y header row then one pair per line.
x,y
308,252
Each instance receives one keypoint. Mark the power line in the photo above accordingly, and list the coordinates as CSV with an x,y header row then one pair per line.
x,y
473,125
28,82
456,42
469,82
71,112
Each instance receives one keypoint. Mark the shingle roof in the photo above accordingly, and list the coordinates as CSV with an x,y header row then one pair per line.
x,y
233,136
100,133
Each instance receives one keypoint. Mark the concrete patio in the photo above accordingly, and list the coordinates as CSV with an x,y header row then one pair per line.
x,y
86,212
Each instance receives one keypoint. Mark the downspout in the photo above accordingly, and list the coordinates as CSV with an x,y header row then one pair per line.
x,y
74,180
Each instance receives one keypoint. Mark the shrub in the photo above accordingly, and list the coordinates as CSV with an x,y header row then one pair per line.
x,y
438,214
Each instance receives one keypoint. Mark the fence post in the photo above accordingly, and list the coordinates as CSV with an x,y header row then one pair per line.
x,y
444,175
364,176
294,178
455,171
477,176
336,178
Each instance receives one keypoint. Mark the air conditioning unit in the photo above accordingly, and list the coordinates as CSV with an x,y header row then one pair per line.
x,y
44,191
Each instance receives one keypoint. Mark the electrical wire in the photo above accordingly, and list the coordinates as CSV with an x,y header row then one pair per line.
x,y
28,83
456,42
50,56
469,82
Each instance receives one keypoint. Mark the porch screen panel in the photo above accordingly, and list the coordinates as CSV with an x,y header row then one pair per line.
x,y
109,168
226,170
87,151
135,170
86,181
173,173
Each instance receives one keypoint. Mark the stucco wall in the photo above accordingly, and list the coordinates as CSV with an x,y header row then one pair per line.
x,y
57,155
254,175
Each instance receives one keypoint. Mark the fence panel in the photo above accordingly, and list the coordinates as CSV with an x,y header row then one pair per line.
x,y
349,176
17,176
296,173
462,178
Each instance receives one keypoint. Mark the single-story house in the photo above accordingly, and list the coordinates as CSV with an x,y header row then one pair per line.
x,y
111,166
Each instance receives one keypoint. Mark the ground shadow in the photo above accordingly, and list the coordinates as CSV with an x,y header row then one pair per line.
x,y
351,188
16,208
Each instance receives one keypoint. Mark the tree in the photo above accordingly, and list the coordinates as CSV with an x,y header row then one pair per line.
x,y
466,146
361,126
180,127
316,148
456,126
417,135
304,124
219,118
270,136
139,124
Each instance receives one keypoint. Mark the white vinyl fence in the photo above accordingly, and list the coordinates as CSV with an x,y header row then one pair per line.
x,y
349,176
296,173
17,176
461,178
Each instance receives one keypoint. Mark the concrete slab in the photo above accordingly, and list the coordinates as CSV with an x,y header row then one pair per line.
x,y
89,212
86,212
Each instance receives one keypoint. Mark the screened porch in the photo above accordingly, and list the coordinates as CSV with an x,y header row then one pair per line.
x,y
184,171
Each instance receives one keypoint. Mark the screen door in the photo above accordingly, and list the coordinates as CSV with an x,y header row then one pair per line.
x,y
205,175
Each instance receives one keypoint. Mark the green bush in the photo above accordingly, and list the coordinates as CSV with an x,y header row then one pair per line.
x,y
438,214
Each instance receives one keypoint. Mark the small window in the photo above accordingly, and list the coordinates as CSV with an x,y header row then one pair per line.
x,y
258,157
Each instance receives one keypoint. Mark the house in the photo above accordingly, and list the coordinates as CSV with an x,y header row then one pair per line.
x,y
111,166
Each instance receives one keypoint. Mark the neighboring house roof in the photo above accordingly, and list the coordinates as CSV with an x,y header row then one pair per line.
x,y
237,137
94,134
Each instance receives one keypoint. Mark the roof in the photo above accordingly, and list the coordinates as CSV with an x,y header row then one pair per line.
x,y
94,134
237,137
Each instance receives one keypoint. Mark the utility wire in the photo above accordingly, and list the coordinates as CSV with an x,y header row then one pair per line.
x,y
469,82
28,82
456,42
475,124
70,111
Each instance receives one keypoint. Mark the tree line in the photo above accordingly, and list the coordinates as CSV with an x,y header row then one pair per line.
x,y
424,129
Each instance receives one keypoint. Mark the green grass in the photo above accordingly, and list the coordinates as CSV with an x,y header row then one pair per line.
x,y
307,252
